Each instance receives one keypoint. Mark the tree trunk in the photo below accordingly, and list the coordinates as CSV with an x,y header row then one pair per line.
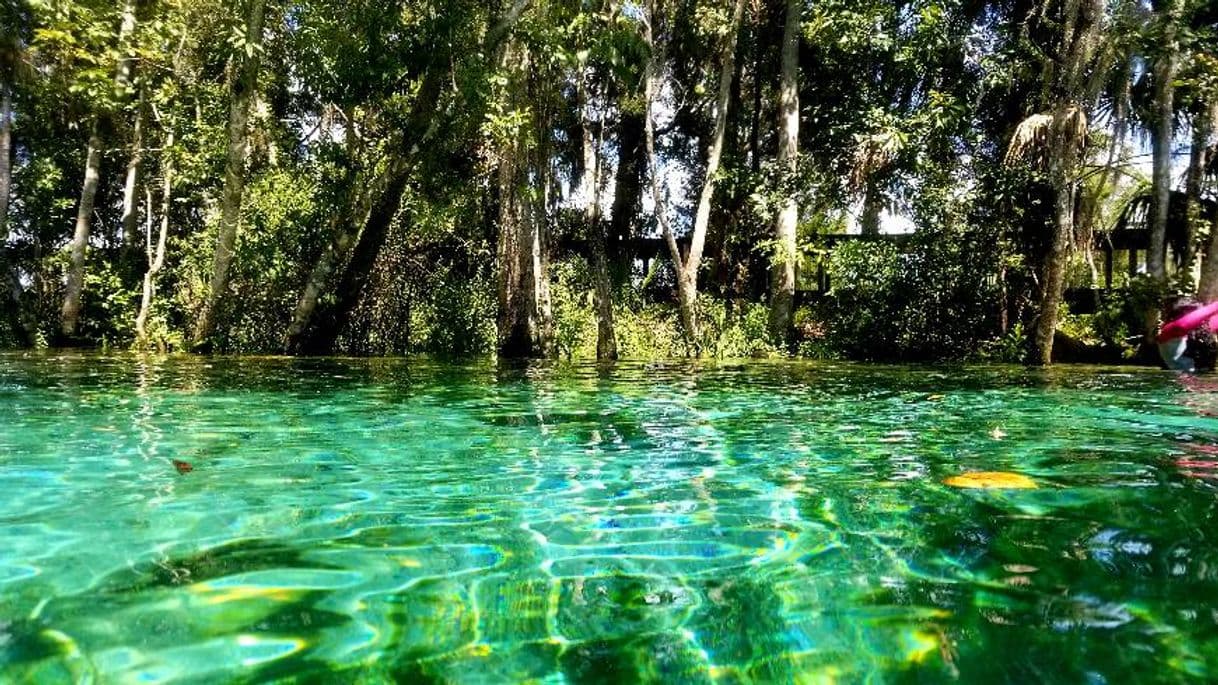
x,y
316,330
12,283
1199,160
628,190
1053,271
1066,140
1164,70
130,214
156,258
6,159
321,336
606,341
782,277
347,231
687,267
525,323
1208,288
243,89
873,207
70,315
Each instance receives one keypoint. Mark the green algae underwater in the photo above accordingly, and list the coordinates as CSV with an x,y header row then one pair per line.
x,y
419,521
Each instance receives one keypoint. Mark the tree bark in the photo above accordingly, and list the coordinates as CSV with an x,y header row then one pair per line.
x,y
525,322
70,313
243,89
156,258
782,272
1066,140
347,231
322,334
6,158
687,267
1053,271
130,219
1208,287
873,207
628,190
13,290
1164,70
606,340
1199,160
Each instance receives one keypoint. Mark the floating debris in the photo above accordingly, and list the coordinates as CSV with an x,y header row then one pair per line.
x,y
183,467
991,480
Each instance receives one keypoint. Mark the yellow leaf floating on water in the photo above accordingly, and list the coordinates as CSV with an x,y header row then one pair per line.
x,y
991,480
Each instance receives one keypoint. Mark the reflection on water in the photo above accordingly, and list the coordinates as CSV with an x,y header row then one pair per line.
x,y
426,522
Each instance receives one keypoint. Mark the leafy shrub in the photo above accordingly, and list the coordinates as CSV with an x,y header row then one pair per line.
x,y
932,299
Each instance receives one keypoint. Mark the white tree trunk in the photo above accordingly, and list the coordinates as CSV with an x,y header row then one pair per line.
x,y
70,313
782,276
156,257
687,267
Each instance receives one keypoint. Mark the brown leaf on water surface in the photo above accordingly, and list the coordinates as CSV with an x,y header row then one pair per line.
x,y
182,466
991,480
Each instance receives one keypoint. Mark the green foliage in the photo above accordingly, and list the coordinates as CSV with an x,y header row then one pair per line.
x,y
455,318
934,299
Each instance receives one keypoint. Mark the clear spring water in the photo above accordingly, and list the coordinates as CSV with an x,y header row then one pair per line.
x,y
374,521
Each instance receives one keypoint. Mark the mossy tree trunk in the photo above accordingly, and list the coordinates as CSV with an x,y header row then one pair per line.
x,y
782,271
243,90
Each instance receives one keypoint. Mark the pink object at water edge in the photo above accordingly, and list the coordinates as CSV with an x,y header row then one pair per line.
x,y
1190,322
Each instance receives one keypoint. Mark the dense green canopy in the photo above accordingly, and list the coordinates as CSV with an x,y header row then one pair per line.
x,y
601,177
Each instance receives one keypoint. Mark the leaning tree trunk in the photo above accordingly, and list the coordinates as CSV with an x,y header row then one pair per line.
x,y
1164,70
156,257
243,89
606,340
70,313
687,266
782,277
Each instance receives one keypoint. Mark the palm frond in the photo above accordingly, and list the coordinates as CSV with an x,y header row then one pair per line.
x,y
1031,136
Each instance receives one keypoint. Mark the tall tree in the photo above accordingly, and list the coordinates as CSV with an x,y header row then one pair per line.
x,y
6,157
156,255
782,271
70,313
243,90
1163,76
525,321
606,339
687,265
1058,137
130,215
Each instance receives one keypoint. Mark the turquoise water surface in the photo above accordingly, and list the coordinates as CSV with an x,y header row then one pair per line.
x,y
412,521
